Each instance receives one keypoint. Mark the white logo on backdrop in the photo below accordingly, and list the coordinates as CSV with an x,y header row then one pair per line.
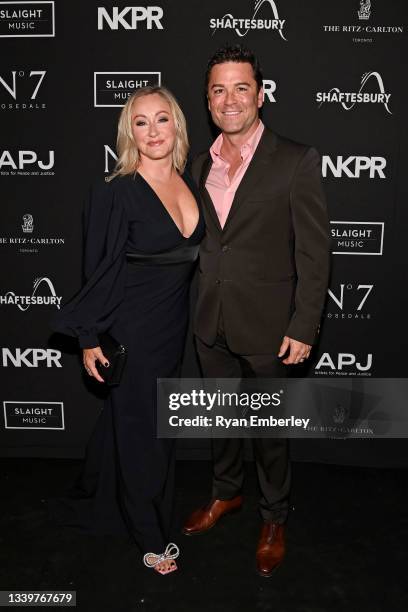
x,y
353,165
344,361
357,237
31,357
28,224
349,99
27,19
243,26
130,17
364,11
23,302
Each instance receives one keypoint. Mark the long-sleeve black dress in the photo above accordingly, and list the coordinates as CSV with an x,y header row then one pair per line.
x,y
142,298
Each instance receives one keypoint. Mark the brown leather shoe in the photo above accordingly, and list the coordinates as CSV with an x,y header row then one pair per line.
x,y
271,548
203,519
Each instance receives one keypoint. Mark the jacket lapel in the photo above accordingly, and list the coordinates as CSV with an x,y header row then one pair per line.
x,y
204,192
256,169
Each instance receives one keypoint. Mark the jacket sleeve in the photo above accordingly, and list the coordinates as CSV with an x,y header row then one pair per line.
x,y
93,309
312,248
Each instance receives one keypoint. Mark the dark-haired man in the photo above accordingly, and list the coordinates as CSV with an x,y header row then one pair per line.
x,y
264,266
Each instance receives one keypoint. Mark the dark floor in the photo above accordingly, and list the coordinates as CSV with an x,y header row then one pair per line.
x,y
347,546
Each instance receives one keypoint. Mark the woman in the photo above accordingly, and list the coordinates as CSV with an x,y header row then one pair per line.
x,y
143,228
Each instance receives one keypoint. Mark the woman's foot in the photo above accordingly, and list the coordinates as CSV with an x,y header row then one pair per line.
x,y
164,563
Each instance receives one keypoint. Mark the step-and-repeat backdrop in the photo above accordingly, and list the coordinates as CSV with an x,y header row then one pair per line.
x,y
333,77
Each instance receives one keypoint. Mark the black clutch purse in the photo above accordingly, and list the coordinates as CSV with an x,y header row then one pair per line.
x,y
116,354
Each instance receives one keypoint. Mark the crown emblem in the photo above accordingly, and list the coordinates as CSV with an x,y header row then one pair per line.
x,y
365,9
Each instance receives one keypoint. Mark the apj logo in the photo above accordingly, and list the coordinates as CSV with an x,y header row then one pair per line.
x,y
243,26
344,364
26,163
23,302
349,99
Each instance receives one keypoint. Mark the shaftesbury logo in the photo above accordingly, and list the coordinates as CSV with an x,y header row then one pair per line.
x,y
27,19
357,237
34,415
23,302
364,11
349,99
114,88
243,26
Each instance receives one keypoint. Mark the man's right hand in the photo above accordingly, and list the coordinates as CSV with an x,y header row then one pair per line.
x,y
90,356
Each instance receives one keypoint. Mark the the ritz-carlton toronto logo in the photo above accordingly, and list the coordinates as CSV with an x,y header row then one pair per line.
x,y
348,99
242,26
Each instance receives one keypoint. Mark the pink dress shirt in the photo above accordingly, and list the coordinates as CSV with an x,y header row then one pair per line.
x,y
219,186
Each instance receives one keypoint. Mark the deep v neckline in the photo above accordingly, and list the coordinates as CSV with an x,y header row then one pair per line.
x,y
167,211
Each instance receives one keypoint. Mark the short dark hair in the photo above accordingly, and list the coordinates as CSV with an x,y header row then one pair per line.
x,y
235,53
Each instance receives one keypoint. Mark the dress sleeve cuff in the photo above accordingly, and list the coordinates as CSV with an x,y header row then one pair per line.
x,y
88,341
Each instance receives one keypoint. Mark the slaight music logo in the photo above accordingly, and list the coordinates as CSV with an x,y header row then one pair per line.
x,y
130,17
23,302
26,163
349,99
27,19
348,301
20,90
31,358
243,26
33,415
357,237
344,364
112,89
353,166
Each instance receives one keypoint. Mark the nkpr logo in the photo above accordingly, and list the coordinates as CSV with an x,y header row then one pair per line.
x,y
349,301
256,22
130,17
38,296
30,358
33,415
19,90
353,166
344,364
26,163
114,88
357,237
348,100
27,19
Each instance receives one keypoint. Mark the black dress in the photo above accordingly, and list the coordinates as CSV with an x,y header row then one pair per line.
x,y
128,480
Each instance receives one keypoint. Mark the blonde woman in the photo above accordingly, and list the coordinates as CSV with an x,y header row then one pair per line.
x,y
142,227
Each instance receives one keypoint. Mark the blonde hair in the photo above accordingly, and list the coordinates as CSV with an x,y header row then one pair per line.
x,y
128,154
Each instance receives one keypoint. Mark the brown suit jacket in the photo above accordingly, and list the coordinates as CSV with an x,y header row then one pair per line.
x,y
268,267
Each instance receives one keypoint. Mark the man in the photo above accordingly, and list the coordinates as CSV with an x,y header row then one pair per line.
x,y
264,266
